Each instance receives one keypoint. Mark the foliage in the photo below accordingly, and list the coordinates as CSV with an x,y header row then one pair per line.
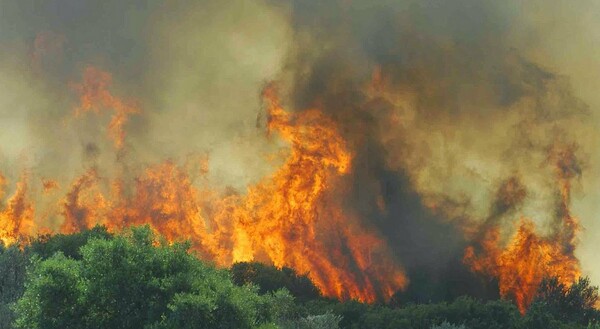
x,y
269,279
569,304
278,306
133,281
94,279
559,306
556,308
13,263
68,244
473,313
323,321
447,325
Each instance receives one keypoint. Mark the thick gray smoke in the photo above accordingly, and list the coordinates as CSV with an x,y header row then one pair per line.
x,y
442,107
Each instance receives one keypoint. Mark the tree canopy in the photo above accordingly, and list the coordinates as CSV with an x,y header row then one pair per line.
x,y
135,279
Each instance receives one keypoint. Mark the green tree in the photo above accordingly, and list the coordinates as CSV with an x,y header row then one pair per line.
x,y
322,321
52,295
567,304
448,325
134,280
270,278
13,262
47,245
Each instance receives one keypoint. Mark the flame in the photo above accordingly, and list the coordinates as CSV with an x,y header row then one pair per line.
x,y
17,217
522,265
293,217
95,96
84,204
166,199
49,185
528,258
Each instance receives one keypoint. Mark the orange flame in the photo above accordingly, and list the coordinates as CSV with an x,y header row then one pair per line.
x,y
528,258
95,96
49,185
84,204
292,220
524,263
16,219
293,217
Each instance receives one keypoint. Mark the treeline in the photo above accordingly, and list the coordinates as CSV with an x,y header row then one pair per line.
x,y
94,279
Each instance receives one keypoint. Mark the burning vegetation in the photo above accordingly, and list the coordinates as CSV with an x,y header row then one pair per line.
x,y
526,259
295,217
397,158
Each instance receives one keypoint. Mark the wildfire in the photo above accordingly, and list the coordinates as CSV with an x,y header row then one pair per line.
x,y
49,185
295,216
83,204
292,218
95,96
294,221
17,217
522,264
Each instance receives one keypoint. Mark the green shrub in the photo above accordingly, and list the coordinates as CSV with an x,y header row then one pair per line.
x,y
133,281
323,321
447,325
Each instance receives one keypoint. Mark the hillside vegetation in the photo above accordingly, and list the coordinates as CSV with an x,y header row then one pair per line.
x,y
94,279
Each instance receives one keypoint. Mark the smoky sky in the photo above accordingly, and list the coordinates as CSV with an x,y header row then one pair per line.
x,y
475,105
458,63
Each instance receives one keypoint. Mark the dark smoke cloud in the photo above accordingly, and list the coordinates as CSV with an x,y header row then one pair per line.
x,y
464,97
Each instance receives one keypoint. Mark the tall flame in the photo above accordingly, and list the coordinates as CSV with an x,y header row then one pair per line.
x,y
293,220
294,217
17,217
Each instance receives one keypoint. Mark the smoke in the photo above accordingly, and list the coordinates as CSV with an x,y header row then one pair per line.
x,y
452,109
442,108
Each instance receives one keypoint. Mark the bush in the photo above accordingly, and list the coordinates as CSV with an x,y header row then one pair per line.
x,y
68,244
133,281
447,325
323,321
270,278
93,279
574,304
13,263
